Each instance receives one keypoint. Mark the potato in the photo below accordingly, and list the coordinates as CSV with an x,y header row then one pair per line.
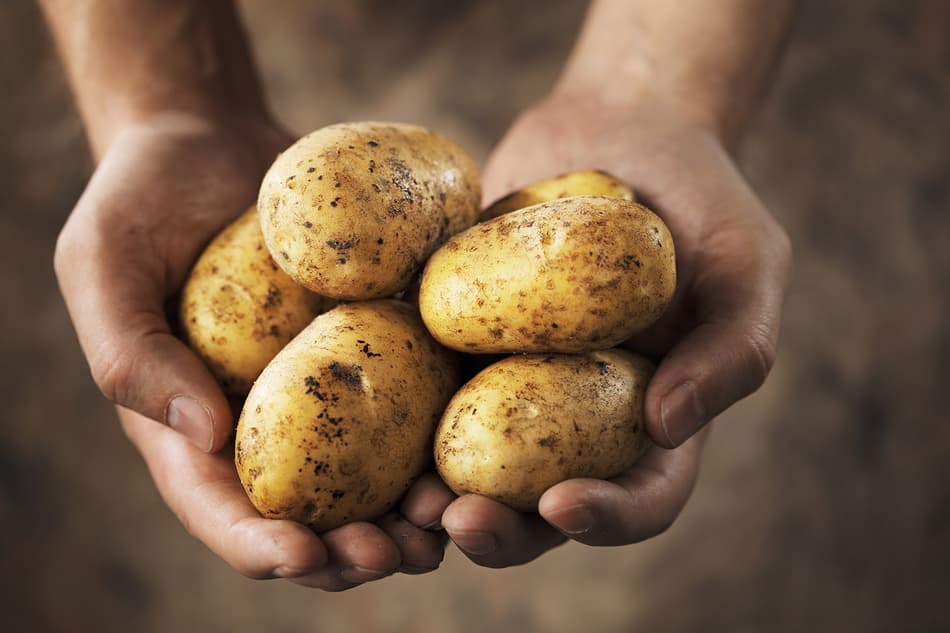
x,y
340,423
353,210
529,422
587,182
571,275
238,309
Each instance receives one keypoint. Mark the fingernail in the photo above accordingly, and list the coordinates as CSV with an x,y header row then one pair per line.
x,y
682,413
477,543
412,569
573,520
433,526
188,417
357,574
290,572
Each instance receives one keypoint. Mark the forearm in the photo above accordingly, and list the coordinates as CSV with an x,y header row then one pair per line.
x,y
709,60
131,59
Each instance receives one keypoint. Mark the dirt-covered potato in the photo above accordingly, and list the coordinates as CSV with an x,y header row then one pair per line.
x,y
571,275
353,210
341,421
587,182
529,422
238,309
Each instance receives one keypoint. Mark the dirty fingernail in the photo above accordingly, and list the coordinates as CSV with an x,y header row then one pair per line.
x,y
357,574
290,572
682,413
477,543
433,526
187,416
414,570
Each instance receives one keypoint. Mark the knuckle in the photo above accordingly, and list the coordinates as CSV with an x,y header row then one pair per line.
x,y
64,254
117,364
759,352
114,372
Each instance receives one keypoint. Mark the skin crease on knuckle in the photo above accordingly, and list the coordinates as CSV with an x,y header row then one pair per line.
x,y
113,371
761,352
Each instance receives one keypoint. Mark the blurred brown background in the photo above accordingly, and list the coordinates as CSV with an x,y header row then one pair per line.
x,y
825,500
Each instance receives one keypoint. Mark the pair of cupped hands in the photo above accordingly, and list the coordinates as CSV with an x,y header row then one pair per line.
x,y
168,183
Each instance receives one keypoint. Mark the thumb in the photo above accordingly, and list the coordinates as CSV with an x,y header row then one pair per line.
x,y
114,294
729,354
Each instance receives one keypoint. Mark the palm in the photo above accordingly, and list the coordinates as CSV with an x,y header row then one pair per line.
x,y
190,182
672,170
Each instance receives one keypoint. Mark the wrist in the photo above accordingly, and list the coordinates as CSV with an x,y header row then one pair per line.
x,y
255,133
650,109
706,62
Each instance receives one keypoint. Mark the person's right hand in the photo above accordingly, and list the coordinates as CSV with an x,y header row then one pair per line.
x,y
164,187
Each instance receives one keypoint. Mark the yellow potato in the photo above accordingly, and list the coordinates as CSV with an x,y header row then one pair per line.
x,y
238,309
353,210
529,422
587,182
571,275
340,423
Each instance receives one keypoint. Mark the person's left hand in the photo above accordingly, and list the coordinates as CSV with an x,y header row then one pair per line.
x,y
715,344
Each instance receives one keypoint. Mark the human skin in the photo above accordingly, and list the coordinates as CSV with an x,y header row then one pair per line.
x,y
657,93
176,121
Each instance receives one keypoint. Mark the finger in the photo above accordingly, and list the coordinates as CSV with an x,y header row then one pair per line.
x,y
494,535
204,492
359,553
425,502
730,353
638,505
420,551
114,290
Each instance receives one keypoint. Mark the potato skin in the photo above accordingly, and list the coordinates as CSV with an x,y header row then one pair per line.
x,y
340,423
238,309
571,275
529,422
586,182
353,210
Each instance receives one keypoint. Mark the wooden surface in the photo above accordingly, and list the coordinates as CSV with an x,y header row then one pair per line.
x,y
824,504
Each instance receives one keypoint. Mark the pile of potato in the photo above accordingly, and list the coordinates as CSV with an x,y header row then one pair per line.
x,y
311,306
